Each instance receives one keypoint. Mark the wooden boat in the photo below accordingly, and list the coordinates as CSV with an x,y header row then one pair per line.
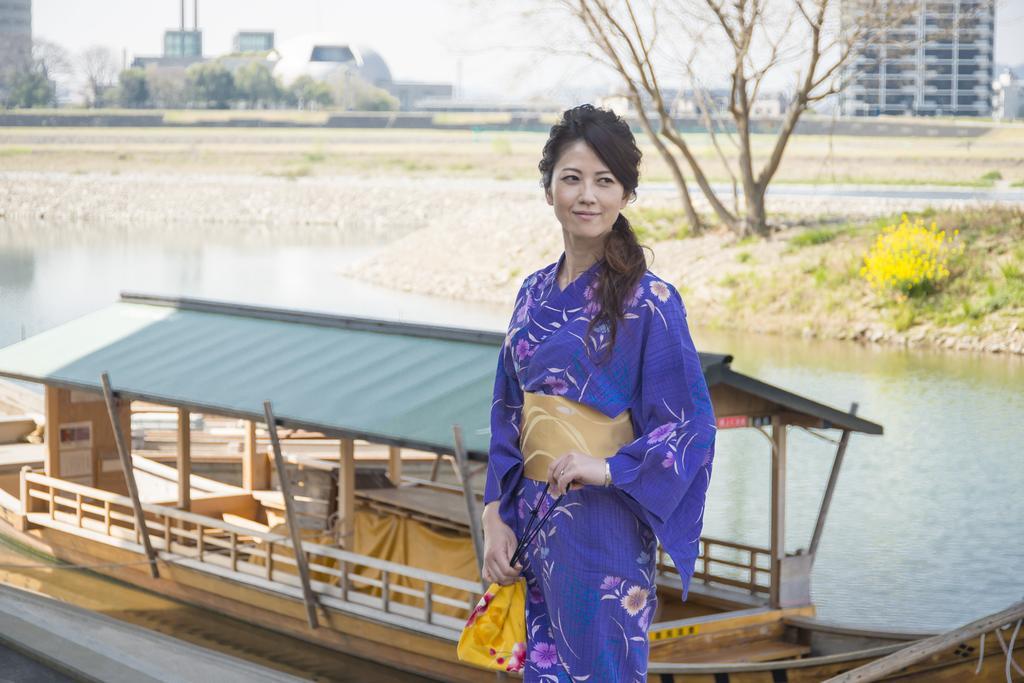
x,y
388,569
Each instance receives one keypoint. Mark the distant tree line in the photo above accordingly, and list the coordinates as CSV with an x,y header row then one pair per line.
x,y
205,85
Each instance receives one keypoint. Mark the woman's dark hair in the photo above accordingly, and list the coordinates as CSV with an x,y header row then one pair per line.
x,y
612,141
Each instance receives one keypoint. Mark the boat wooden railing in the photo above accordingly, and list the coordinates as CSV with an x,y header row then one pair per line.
x,y
727,563
342,580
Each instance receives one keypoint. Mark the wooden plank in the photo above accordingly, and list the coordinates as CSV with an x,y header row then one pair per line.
x,y
729,401
184,460
26,501
751,651
129,473
15,400
293,520
395,465
923,649
255,473
52,431
444,505
833,477
476,531
346,493
778,508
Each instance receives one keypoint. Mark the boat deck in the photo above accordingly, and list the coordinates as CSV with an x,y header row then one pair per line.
x,y
421,501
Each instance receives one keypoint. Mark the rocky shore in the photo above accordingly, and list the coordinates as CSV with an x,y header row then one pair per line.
x,y
480,265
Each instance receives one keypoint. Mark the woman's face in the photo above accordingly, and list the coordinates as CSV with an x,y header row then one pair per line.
x,y
586,196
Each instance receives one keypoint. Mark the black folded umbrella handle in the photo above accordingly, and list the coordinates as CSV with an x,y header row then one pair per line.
x,y
531,531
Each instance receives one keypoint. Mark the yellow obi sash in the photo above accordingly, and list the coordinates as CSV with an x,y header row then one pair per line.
x,y
554,425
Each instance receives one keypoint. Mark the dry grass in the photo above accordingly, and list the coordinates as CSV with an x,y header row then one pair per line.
x,y
501,155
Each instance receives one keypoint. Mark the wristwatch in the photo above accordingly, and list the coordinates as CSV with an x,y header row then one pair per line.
x,y
607,473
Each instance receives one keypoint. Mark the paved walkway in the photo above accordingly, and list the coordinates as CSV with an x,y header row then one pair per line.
x,y
92,647
16,667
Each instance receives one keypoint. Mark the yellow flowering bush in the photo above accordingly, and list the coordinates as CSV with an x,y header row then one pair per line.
x,y
910,258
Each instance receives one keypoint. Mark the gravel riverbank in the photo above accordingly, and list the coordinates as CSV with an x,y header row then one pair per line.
x,y
469,239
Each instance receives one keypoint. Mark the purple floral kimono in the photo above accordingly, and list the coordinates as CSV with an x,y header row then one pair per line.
x,y
591,570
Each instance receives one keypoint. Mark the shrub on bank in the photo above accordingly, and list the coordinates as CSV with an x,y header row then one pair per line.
x,y
911,258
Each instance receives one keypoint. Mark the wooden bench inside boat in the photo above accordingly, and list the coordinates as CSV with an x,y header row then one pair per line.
x,y
433,504
751,651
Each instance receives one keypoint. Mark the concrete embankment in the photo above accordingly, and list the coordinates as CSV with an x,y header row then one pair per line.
x,y
91,647
18,667
809,124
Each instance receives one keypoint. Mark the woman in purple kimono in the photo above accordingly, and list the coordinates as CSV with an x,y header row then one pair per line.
x,y
598,335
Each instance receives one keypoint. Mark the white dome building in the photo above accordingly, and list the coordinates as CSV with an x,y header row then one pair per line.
x,y
321,56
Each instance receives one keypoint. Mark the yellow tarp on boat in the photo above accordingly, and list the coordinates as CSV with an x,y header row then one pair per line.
x,y
413,543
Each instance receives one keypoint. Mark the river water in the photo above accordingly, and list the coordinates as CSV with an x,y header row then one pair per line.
x,y
926,529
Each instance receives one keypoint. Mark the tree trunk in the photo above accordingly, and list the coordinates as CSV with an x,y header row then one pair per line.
x,y
696,226
691,214
756,220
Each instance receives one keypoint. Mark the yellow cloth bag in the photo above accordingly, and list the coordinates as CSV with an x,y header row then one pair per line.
x,y
494,636
495,633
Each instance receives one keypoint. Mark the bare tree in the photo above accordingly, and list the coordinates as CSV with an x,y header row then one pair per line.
x,y
53,59
652,42
99,67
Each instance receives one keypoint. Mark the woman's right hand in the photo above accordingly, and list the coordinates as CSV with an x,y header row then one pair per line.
x,y
499,544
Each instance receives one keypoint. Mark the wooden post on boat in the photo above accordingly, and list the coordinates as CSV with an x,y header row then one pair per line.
x,y
184,459
778,509
395,465
255,473
26,498
346,493
826,500
475,523
51,464
293,522
129,473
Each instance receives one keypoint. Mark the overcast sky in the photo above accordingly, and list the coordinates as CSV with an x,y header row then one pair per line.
x,y
450,41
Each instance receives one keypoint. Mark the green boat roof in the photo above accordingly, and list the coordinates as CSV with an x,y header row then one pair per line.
x,y
388,382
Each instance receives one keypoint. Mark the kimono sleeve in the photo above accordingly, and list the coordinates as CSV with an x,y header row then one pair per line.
x,y
673,416
504,454
504,457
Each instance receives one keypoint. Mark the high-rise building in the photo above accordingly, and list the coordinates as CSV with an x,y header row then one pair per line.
x,y
920,57
253,41
15,34
183,44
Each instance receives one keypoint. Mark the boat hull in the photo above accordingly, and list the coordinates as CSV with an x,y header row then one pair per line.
x,y
391,646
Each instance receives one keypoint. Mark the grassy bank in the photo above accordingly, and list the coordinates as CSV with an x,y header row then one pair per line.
x,y
808,280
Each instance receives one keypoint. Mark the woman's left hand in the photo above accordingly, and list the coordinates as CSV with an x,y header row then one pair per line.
x,y
575,469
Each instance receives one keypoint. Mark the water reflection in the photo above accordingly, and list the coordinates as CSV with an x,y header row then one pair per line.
x,y
17,268
921,527
69,282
